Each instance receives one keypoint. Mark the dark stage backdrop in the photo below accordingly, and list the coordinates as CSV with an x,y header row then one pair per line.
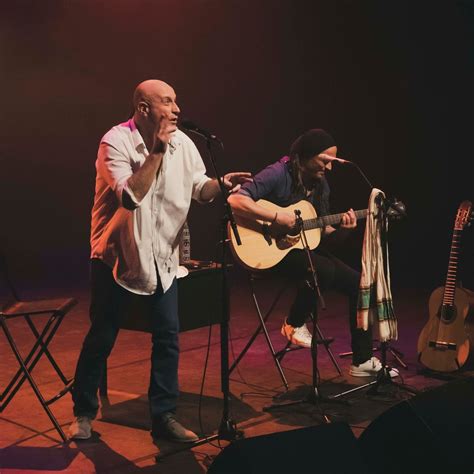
x,y
392,81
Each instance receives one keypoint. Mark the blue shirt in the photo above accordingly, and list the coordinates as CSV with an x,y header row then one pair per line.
x,y
274,183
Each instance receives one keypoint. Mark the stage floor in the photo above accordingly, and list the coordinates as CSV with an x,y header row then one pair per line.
x,y
121,442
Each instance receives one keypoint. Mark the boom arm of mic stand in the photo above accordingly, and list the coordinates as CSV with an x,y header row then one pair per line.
x,y
393,207
361,173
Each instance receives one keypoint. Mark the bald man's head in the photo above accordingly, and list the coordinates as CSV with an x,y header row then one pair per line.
x,y
153,101
150,90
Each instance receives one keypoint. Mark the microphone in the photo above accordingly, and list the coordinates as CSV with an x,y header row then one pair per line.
x,y
192,127
346,162
333,158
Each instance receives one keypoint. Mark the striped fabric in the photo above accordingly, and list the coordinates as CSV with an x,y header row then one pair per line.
x,y
375,303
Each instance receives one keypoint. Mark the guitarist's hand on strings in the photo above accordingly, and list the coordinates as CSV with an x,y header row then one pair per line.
x,y
349,220
283,222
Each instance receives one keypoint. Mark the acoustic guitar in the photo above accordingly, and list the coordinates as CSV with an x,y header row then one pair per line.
x,y
446,340
262,249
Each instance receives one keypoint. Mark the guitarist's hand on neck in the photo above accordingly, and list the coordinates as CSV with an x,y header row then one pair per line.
x,y
347,225
349,220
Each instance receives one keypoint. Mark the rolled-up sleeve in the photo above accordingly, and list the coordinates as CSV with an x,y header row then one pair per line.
x,y
115,168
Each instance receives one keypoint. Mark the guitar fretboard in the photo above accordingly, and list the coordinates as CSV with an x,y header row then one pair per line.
x,y
323,221
450,286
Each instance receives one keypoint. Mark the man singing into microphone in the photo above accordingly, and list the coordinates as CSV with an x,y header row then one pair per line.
x,y
301,175
147,173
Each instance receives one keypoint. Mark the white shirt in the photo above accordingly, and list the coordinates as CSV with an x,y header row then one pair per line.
x,y
139,242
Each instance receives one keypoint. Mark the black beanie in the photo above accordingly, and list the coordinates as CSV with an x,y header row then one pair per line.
x,y
311,143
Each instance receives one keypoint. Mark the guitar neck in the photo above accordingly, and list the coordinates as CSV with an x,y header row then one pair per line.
x,y
450,286
320,222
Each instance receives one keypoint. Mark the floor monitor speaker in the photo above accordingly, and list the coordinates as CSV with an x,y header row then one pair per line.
x,y
330,448
431,432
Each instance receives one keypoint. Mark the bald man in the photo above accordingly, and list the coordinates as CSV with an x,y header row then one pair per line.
x,y
147,173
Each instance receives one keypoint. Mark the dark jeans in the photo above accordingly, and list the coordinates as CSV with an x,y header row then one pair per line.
x,y
107,300
334,274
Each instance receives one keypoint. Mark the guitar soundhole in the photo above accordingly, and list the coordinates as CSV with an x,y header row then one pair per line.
x,y
447,313
295,232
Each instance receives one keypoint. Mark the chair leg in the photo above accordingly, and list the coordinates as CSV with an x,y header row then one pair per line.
x,y
269,342
288,348
32,382
16,384
328,349
59,318
262,327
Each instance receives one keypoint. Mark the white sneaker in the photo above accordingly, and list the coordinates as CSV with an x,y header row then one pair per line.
x,y
81,428
299,336
369,368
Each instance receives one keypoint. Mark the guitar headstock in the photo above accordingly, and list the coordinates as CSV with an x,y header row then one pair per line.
x,y
463,216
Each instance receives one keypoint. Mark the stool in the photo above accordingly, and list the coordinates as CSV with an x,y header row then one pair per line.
x,y
277,356
15,308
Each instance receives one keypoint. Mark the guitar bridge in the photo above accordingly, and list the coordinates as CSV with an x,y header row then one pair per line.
x,y
444,346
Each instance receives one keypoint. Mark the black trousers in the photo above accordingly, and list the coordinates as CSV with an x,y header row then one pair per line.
x,y
107,299
331,273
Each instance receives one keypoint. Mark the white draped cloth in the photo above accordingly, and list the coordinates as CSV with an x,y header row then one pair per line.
x,y
375,303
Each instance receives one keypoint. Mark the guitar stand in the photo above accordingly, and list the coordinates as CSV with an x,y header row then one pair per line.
x,y
314,397
396,354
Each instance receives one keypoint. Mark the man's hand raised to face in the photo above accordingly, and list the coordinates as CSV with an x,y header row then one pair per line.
x,y
163,132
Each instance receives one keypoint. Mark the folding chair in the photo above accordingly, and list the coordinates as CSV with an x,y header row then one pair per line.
x,y
29,310
277,355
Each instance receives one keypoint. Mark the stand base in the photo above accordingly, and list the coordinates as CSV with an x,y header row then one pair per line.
x,y
313,398
383,379
227,432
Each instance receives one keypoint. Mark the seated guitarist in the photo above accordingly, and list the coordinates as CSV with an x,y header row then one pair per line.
x,y
288,181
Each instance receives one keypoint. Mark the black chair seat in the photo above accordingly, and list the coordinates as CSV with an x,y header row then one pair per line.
x,y
22,308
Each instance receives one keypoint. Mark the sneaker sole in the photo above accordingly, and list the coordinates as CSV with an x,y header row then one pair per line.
x,y
81,437
365,374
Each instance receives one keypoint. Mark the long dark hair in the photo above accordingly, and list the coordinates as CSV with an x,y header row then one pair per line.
x,y
305,147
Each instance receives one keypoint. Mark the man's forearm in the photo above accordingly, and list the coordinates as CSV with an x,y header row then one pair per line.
x,y
246,207
141,181
210,190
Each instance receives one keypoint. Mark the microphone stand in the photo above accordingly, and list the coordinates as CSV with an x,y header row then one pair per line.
x,y
393,208
383,377
227,428
314,397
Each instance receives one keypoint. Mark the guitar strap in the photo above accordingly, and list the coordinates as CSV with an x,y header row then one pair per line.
x,y
375,303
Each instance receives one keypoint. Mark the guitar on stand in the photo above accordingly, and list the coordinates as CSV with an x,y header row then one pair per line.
x,y
447,339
